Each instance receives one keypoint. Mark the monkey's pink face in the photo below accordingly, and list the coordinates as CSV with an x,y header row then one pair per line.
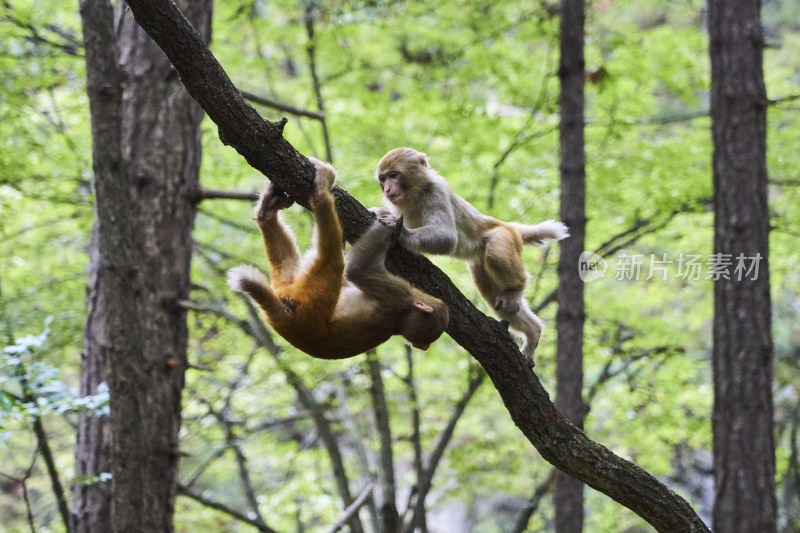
x,y
392,186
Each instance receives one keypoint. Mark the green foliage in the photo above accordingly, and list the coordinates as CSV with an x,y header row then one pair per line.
x,y
33,388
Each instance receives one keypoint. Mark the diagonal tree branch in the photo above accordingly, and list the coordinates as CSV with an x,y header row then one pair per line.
x,y
183,490
261,143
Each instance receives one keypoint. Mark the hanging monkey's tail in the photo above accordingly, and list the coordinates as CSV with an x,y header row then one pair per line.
x,y
251,281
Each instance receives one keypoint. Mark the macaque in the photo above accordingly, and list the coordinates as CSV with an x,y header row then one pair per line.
x,y
323,305
438,221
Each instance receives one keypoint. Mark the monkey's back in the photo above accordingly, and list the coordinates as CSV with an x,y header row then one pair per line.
x,y
351,328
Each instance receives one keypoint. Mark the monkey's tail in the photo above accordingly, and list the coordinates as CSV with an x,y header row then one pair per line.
x,y
549,230
251,281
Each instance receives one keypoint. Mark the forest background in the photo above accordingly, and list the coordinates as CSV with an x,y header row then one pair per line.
x,y
475,86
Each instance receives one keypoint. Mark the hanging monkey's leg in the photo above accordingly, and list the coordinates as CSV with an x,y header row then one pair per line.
x,y
278,240
322,282
504,266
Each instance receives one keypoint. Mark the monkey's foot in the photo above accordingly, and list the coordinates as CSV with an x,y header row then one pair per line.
x,y
508,303
324,178
272,199
528,349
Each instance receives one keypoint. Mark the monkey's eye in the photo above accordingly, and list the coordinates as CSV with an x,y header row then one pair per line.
x,y
393,174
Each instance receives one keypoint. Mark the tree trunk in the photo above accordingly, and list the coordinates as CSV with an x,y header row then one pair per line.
x,y
262,144
161,146
570,317
744,451
112,338
146,158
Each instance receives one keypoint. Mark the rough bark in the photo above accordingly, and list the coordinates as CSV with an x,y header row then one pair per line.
x,y
161,147
744,460
91,501
112,338
146,161
261,143
568,497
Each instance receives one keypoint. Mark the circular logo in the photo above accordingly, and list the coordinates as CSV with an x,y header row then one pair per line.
x,y
591,267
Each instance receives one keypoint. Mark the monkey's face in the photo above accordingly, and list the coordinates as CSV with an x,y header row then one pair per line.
x,y
426,322
399,172
393,186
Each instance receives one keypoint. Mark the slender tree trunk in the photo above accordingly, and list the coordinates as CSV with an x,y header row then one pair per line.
x,y
146,160
571,314
744,450
389,517
161,146
112,338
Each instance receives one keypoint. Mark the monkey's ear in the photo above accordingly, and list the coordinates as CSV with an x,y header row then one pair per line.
x,y
423,160
422,306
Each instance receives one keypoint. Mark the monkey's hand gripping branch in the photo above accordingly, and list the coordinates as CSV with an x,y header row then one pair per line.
x,y
262,144
398,228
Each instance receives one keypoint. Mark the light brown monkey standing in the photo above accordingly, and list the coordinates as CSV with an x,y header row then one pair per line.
x,y
332,308
438,221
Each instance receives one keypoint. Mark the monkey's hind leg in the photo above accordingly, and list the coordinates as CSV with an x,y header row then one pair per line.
x,y
504,267
278,240
322,282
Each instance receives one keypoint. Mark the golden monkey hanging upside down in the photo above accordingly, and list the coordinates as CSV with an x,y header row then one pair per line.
x,y
332,308
438,221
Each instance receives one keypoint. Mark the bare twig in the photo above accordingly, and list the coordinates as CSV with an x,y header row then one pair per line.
x,y
280,106
71,46
352,508
444,439
521,524
783,99
312,61
522,137
223,220
254,328
241,461
23,482
359,428
52,471
259,525
44,448
217,194
639,229
786,183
